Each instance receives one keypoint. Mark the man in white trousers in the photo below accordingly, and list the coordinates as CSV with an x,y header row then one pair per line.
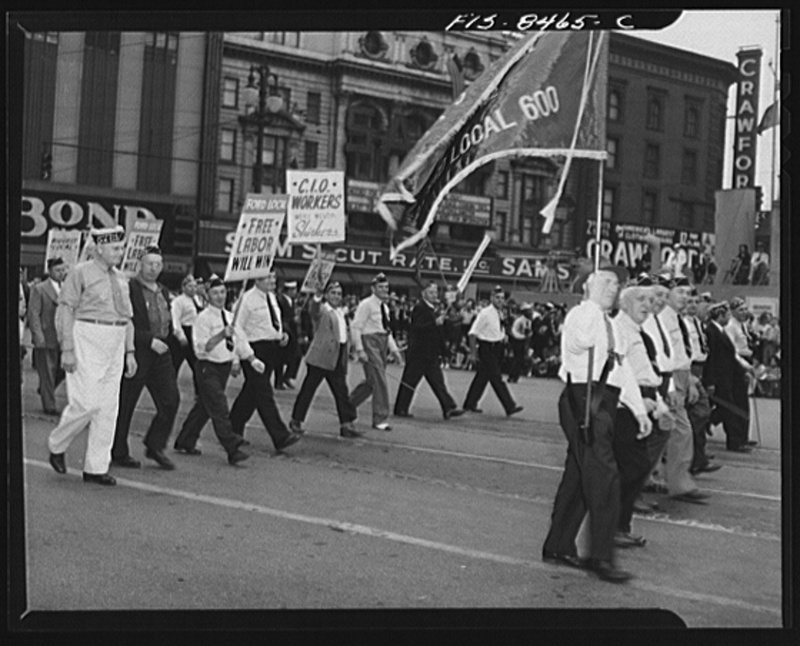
x,y
96,336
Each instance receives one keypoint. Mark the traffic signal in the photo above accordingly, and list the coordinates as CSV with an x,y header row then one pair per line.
x,y
47,164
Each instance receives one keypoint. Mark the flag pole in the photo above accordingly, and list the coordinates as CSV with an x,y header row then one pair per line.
x,y
775,103
599,221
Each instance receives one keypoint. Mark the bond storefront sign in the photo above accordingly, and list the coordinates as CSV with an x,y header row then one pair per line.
x,y
746,122
42,211
625,243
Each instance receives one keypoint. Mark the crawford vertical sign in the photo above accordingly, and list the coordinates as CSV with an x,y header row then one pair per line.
x,y
744,142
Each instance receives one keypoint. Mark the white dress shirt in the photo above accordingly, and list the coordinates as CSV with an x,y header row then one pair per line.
x,y
695,330
256,319
368,319
585,327
207,324
184,313
636,354
672,328
487,326
736,334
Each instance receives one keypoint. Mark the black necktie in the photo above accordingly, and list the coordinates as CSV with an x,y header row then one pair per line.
x,y
228,340
663,337
384,318
651,351
685,334
274,320
701,336
610,337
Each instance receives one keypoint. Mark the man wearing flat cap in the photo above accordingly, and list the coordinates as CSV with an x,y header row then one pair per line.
x,y
153,334
725,376
42,322
486,341
520,337
96,336
183,309
373,341
593,369
426,346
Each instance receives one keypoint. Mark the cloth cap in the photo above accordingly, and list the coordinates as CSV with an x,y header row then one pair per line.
x,y
498,290
643,280
151,249
291,284
333,285
706,296
187,279
737,303
214,281
526,307
109,234
662,280
54,262
380,278
716,308
680,281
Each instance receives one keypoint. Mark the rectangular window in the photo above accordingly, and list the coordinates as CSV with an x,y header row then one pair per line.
x,y
656,103
686,214
689,168
612,148
691,118
313,107
652,161
615,97
650,207
98,108
609,203
311,154
501,185
227,150
501,225
225,195
290,38
230,92
286,94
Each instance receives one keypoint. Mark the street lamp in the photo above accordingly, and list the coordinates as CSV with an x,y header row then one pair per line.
x,y
255,95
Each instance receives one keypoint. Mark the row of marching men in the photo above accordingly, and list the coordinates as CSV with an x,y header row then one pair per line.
x,y
642,373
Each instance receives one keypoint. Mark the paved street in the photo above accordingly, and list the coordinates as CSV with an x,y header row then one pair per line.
x,y
431,515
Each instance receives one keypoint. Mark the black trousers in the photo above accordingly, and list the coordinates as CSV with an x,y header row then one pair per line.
x,y
735,424
590,482
518,347
636,459
337,382
257,394
211,403
490,355
157,374
700,419
415,369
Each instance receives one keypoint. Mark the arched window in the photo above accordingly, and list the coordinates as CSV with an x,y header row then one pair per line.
x,y
423,55
472,65
373,44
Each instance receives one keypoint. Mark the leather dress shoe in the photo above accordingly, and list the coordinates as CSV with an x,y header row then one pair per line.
x,y
100,478
127,462
570,560
642,507
693,496
58,463
293,438
401,414
626,539
706,468
188,450
607,571
453,412
751,443
237,456
710,456
347,430
163,461
655,487
296,427
383,426
514,411
740,449
472,410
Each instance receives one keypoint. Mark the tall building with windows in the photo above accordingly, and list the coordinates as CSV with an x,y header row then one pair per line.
x,y
116,127
359,101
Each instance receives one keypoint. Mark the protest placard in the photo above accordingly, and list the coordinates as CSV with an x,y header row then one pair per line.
x,y
141,235
319,273
256,238
64,244
316,206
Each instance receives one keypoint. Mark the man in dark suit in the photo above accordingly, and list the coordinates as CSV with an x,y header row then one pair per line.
x,y
42,322
725,379
289,355
424,357
152,323
327,359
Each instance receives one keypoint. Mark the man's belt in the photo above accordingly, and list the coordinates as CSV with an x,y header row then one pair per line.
x,y
101,322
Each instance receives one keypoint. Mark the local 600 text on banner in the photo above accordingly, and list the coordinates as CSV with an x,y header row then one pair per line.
x,y
256,238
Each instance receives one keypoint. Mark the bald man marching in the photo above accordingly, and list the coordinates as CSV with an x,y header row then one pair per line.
x,y
96,335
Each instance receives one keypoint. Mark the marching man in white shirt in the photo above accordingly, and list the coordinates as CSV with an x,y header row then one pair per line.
x,y
219,347
184,312
486,339
592,369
